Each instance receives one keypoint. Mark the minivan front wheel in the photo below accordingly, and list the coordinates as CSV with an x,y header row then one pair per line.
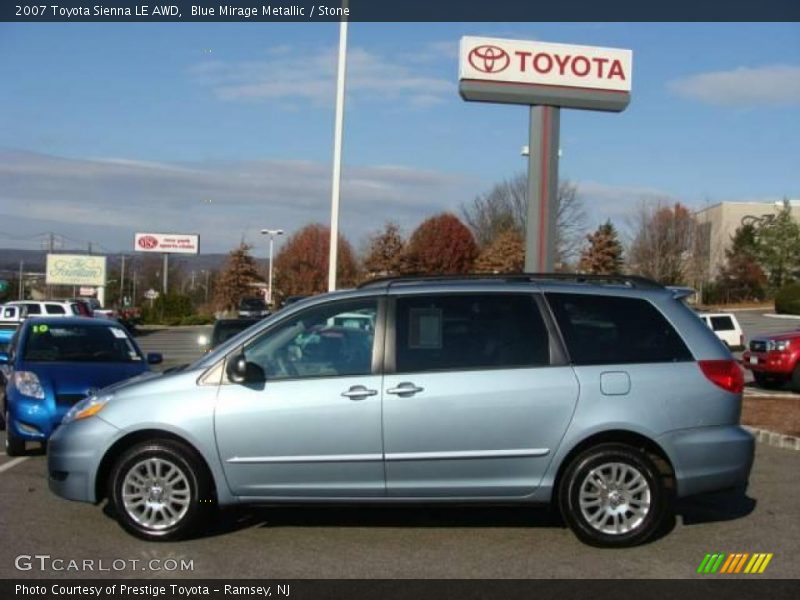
x,y
613,495
159,490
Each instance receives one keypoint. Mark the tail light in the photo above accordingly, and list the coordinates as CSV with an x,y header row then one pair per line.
x,y
723,373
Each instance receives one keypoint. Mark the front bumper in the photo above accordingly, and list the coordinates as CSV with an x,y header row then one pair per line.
x,y
708,459
773,362
73,457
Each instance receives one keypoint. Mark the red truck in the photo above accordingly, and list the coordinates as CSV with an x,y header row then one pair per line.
x,y
774,359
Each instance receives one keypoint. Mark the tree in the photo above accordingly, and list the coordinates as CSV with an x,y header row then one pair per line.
x,y
441,244
301,267
385,253
663,243
236,279
603,254
778,246
505,207
741,278
505,254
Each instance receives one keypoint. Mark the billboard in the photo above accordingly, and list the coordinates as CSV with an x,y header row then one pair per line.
x,y
531,72
76,269
169,243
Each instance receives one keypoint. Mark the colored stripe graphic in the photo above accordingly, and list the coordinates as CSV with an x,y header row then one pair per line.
x,y
735,563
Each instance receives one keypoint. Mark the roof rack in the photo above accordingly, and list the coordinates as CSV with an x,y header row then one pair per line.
x,y
631,281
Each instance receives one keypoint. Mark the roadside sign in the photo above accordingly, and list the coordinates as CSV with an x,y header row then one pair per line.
x,y
76,269
167,243
3,286
151,294
86,291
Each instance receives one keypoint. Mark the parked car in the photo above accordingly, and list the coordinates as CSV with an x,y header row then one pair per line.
x,y
605,396
49,308
10,318
223,330
53,364
253,308
774,360
726,327
83,306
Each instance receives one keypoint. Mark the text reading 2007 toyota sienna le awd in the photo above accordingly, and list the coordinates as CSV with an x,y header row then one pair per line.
x,y
607,397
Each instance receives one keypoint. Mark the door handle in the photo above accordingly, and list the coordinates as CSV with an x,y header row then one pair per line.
x,y
405,389
359,392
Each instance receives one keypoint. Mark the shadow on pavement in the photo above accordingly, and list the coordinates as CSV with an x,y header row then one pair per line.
x,y
235,519
718,506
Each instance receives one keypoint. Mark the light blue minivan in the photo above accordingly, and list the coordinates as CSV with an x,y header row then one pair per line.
x,y
605,396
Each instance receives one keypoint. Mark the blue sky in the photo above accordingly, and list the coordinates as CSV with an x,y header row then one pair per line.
x,y
222,129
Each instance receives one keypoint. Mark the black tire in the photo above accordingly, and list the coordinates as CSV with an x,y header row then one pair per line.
x,y
795,382
15,446
195,486
600,459
768,382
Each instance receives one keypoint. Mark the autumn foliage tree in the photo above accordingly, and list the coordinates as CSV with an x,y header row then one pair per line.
x,y
301,267
504,254
236,279
441,244
385,253
603,253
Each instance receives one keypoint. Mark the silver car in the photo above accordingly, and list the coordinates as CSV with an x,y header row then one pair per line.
x,y
607,397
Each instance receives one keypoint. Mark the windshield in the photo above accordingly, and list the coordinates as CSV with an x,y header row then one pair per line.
x,y
253,304
79,343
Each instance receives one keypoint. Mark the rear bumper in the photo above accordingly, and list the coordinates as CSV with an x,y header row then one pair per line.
x,y
73,457
708,459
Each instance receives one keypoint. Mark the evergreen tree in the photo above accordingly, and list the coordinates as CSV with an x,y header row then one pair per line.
x,y
385,253
234,283
778,246
603,254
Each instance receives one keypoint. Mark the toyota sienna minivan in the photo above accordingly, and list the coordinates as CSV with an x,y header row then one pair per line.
x,y
604,396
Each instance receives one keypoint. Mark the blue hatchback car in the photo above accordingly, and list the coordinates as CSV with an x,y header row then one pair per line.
x,y
51,364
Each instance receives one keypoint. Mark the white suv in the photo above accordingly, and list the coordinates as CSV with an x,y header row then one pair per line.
x,y
726,327
48,308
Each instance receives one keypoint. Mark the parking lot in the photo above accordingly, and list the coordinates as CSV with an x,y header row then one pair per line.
x,y
397,542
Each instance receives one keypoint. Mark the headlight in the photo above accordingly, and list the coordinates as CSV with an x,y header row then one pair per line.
x,y
86,408
28,384
779,346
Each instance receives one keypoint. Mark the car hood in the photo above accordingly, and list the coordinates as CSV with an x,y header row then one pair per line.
x,y
780,337
72,378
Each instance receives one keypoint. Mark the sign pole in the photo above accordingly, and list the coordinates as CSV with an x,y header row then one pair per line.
x,y
540,227
166,269
341,74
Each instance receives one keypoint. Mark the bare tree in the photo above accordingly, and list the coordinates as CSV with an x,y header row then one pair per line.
x,y
504,208
664,243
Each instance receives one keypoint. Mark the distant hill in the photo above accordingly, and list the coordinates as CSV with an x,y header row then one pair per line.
x,y
34,260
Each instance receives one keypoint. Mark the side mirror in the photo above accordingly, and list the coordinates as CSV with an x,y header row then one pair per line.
x,y
4,358
241,371
154,358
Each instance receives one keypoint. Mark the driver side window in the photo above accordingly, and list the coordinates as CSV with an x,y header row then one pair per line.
x,y
332,340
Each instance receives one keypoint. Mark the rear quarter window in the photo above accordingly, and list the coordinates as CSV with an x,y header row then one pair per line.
x,y
615,330
722,324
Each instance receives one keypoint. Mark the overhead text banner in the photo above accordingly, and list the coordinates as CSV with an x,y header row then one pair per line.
x,y
401,10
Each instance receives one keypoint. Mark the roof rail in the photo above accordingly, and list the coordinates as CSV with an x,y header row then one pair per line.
x,y
632,281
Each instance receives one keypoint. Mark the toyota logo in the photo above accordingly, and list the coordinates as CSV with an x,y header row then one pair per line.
x,y
489,59
148,242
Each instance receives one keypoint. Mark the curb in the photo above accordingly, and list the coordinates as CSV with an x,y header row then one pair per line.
x,y
776,316
773,438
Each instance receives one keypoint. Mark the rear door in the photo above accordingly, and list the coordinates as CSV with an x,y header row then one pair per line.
x,y
476,399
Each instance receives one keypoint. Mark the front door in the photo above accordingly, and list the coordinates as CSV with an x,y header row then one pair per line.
x,y
312,427
475,405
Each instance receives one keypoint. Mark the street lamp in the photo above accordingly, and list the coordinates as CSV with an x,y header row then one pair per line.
x,y
271,233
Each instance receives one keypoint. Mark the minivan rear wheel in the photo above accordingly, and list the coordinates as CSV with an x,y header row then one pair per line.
x,y
159,490
613,495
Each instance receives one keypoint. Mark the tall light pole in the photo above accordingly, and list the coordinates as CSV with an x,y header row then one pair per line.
x,y
337,151
271,233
